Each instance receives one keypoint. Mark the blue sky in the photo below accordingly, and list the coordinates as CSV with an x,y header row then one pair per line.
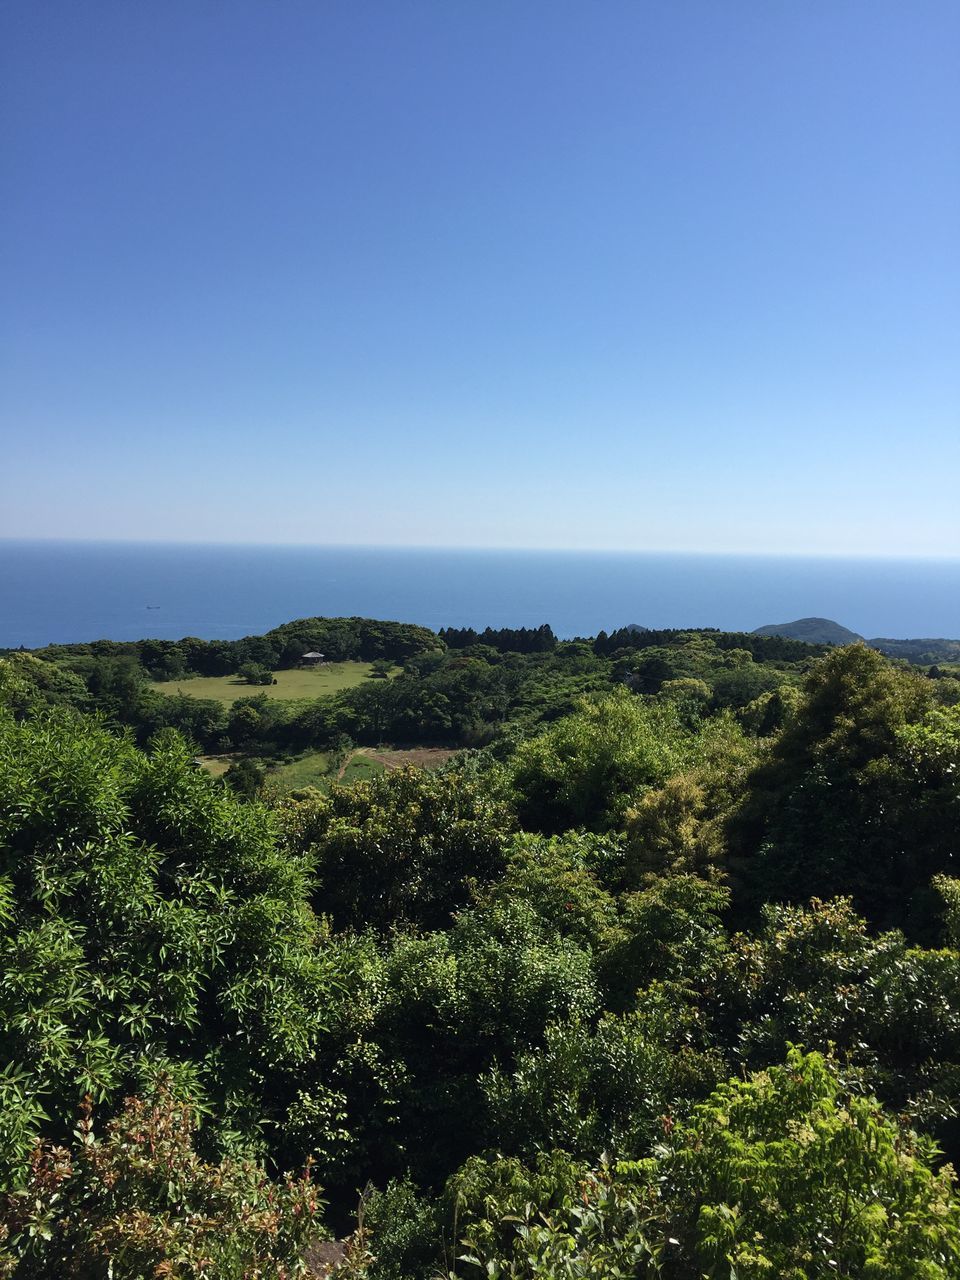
x,y
663,275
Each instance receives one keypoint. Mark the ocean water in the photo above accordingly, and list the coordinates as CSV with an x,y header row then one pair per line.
x,y
72,591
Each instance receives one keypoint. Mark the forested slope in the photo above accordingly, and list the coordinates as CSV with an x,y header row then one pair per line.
x,y
663,979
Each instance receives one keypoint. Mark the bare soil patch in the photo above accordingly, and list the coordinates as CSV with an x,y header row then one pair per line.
x,y
422,757
396,757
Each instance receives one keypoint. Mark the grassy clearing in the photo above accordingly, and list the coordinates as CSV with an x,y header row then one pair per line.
x,y
216,766
422,757
310,770
307,682
360,767
313,768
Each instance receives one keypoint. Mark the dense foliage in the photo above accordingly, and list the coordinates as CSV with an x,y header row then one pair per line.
x,y
337,638
141,1197
660,978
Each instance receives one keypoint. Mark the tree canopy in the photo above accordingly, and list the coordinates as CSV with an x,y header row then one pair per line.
x,y
656,975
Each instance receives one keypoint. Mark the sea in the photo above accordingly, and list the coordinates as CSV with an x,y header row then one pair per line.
x,y
61,592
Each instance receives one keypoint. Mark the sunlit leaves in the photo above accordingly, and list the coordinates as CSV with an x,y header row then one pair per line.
x,y
149,917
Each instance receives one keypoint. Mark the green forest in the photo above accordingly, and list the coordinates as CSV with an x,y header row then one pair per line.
x,y
655,974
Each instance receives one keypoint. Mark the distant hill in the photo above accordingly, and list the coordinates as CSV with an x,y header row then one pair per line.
x,y
635,627
919,651
813,630
826,631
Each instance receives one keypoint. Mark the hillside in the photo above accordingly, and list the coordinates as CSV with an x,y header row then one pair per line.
x,y
812,630
532,998
826,631
921,651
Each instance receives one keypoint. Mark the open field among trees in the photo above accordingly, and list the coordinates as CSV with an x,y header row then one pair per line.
x,y
299,682
316,768
421,757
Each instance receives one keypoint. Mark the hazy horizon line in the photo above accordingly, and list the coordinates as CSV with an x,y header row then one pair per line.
x,y
52,540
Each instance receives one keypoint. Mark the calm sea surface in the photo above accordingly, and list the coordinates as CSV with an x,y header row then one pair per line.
x,y
68,591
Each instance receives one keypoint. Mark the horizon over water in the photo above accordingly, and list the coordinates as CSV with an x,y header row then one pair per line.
x,y
62,592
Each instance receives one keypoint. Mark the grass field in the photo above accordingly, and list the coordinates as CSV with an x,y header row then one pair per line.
x,y
216,766
309,770
306,682
312,769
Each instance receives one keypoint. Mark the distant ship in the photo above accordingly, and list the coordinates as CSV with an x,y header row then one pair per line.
x,y
153,606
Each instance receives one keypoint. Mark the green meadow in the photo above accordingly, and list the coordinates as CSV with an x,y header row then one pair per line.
x,y
313,770
305,682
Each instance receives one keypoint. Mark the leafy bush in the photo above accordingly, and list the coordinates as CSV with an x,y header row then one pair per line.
x,y
860,794
787,1175
152,926
139,1201
401,848
781,1175
816,975
584,770
255,673
607,1088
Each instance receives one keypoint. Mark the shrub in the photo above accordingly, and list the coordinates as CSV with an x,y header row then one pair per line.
x,y
784,1175
585,769
139,1201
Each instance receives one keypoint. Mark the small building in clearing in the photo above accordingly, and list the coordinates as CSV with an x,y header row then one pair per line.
x,y
311,659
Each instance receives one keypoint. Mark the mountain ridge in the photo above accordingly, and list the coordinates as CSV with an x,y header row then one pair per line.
x,y
813,630
826,631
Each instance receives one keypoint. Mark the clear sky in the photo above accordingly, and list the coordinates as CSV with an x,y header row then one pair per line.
x,y
666,274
